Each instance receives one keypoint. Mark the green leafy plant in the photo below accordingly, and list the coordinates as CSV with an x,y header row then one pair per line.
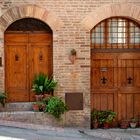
x,y
38,84
49,84
111,115
2,98
42,83
95,115
106,116
56,107
133,120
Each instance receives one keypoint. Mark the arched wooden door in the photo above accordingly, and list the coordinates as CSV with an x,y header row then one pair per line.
x,y
26,53
115,67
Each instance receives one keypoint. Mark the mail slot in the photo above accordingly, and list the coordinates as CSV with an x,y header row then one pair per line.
x,y
103,69
74,101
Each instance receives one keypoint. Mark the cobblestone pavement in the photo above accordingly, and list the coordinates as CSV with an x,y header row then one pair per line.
x,y
115,134
39,132
10,133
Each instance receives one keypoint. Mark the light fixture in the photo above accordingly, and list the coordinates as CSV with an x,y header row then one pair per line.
x,y
72,56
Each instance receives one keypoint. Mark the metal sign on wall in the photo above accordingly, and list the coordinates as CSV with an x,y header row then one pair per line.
x,y
74,100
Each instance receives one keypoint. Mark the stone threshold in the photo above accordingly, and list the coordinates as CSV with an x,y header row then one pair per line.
x,y
17,106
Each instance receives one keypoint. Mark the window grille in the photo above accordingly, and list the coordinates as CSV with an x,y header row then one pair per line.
x,y
116,33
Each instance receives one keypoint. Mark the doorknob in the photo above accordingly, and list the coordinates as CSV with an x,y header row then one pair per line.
x,y
129,80
104,80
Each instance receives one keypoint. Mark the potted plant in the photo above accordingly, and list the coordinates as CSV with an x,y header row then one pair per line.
x,y
124,124
38,86
56,107
94,118
35,107
39,106
133,122
49,86
106,118
3,97
109,118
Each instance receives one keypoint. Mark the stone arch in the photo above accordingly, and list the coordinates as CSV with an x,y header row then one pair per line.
x,y
30,11
121,9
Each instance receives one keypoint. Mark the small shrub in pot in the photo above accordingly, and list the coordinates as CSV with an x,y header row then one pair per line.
x,y
56,107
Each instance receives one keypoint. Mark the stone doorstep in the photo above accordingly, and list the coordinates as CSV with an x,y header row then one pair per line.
x,y
22,106
30,126
38,118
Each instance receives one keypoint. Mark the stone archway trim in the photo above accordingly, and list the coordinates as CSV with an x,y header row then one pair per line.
x,y
120,9
32,11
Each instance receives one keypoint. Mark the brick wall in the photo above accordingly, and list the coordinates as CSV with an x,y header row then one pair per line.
x,y
72,77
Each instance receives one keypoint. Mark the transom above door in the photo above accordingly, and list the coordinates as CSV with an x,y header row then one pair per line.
x,y
26,53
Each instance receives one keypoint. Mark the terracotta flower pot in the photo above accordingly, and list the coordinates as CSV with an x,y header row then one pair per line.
x,y
39,97
124,124
95,124
106,125
47,96
35,107
114,124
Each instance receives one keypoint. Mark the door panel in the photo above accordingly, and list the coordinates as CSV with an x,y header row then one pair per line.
x,y
125,105
103,101
103,81
122,71
39,59
103,71
26,55
39,64
136,104
17,72
40,56
129,79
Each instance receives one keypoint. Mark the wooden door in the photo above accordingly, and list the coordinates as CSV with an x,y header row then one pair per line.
x,y
103,81
115,83
40,56
128,85
25,56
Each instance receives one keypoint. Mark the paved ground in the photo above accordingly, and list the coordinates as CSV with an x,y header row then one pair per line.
x,y
12,133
